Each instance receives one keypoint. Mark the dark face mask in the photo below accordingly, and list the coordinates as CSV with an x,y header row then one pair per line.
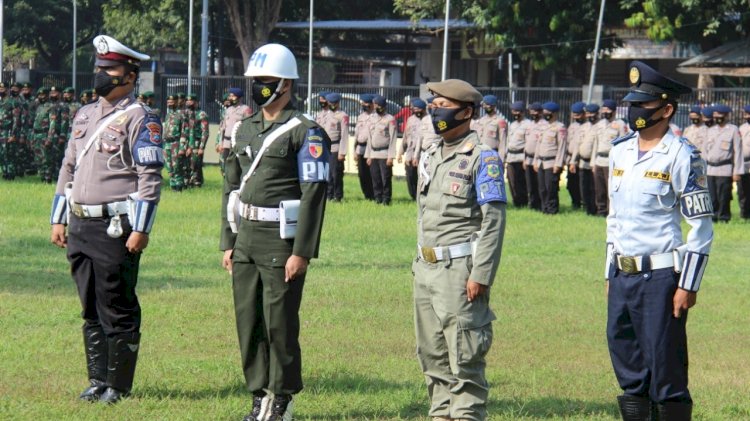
x,y
696,121
265,93
709,123
3,94
444,119
234,101
323,105
535,117
420,114
607,115
592,119
104,83
639,118
747,120
548,117
332,107
719,120
489,110
365,108
580,120
517,117
379,110
14,93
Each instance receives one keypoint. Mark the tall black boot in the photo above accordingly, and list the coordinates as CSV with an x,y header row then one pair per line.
x,y
675,411
634,408
123,354
95,343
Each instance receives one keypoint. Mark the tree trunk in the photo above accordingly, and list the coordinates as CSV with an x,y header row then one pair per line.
x,y
252,22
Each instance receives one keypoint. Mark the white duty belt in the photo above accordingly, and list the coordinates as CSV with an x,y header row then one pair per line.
x,y
255,213
436,254
635,264
99,211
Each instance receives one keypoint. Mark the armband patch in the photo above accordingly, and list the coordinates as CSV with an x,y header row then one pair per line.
x,y
490,185
696,204
147,150
312,158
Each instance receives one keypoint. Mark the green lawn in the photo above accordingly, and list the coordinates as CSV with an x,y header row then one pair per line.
x,y
549,359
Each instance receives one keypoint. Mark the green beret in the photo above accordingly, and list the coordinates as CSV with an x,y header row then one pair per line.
x,y
192,97
2,85
42,91
84,93
148,94
180,95
455,89
27,85
171,97
69,90
15,85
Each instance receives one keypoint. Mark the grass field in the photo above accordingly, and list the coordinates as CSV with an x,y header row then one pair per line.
x,y
549,359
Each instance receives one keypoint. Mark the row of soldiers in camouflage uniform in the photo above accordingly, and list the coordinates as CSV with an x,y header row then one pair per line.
x,y
34,131
185,139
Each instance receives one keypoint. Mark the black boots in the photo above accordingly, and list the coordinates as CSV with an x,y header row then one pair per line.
x,y
638,408
674,411
95,344
634,408
281,409
261,405
123,354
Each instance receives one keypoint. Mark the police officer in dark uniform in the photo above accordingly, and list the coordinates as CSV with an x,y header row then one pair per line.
x,y
278,160
107,191
653,276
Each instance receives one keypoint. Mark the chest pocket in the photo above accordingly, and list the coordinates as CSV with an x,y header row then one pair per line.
x,y
550,136
111,141
456,198
275,161
381,135
659,195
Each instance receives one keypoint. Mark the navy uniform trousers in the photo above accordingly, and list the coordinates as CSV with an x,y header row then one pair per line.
x,y
106,275
647,345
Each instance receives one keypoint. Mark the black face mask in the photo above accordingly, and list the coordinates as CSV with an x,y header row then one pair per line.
x,y
3,94
747,120
332,107
266,93
592,119
444,119
580,120
639,118
535,117
607,115
420,114
719,120
365,108
696,121
548,117
709,123
104,83
14,93
517,117
234,101
323,105
489,110
379,110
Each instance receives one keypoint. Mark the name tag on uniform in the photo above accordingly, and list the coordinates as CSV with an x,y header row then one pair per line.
x,y
657,175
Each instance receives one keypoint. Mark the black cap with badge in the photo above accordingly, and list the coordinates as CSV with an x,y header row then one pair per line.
x,y
646,84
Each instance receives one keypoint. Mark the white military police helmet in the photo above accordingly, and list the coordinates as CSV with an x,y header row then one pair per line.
x,y
272,60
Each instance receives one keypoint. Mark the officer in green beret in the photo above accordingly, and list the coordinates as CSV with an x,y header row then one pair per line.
x,y
10,132
197,136
40,142
175,145
460,227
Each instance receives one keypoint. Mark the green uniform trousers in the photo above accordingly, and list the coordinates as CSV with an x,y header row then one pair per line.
x,y
267,309
453,337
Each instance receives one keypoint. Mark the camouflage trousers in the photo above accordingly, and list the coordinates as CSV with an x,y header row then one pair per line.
x,y
196,169
25,164
175,163
44,156
8,158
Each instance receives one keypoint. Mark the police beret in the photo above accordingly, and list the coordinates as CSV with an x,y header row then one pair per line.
x,y
551,106
333,97
746,108
239,93
379,100
191,97
366,98
610,103
707,111
536,106
69,90
490,100
418,103
646,84
518,106
591,108
577,107
695,109
111,52
323,94
722,109
455,89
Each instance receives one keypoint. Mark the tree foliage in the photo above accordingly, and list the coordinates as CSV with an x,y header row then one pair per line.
x,y
706,22
149,25
46,27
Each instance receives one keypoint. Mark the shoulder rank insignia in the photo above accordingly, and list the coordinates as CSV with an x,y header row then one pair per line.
x,y
623,138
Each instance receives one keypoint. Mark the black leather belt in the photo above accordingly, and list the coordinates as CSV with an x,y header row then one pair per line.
x,y
529,156
603,154
547,158
747,159
385,148
515,151
719,163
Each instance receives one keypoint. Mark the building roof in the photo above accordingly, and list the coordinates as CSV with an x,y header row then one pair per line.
x,y
379,25
730,59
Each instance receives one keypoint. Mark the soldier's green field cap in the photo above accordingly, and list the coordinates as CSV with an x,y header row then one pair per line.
x,y
69,90
455,89
42,91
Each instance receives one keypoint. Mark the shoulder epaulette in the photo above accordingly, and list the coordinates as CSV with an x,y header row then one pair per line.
x,y
623,138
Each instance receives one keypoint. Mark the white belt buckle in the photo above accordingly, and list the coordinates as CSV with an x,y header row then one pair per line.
x,y
252,213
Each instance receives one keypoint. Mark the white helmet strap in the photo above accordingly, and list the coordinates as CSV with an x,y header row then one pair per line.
x,y
275,94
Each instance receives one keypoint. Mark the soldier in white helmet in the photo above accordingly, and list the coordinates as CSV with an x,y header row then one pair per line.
x,y
278,163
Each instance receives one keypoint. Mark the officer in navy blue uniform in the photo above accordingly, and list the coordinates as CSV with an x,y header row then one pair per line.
x,y
653,276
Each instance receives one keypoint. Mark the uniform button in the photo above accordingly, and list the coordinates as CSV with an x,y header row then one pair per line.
x,y
273,260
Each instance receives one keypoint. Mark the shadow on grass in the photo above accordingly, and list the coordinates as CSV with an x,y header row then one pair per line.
x,y
161,393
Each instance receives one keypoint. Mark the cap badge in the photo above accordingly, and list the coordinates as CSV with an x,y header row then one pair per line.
x,y
635,75
442,125
640,123
266,92
102,47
